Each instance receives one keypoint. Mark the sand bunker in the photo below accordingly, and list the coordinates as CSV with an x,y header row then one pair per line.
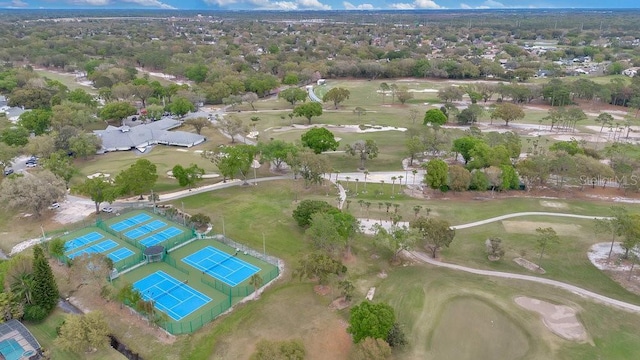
x,y
529,227
560,319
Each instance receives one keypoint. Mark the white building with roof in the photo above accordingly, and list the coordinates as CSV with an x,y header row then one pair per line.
x,y
140,137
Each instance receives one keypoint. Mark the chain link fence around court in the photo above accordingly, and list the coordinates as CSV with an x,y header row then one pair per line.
x,y
186,327
256,254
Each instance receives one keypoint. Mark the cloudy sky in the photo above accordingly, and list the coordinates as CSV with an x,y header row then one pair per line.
x,y
316,4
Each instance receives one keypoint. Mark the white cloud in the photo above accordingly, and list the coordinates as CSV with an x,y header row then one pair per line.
x,y
19,3
403,6
417,4
275,5
349,6
427,4
148,3
151,3
313,4
493,4
465,6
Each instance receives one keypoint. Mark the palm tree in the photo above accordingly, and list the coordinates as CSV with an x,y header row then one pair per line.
x,y
347,185
357,186
414,172
255,281
416,210
393,185
368,205
365,180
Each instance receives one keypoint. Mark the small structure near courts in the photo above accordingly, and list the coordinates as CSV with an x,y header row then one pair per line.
x,y
154,253
17,342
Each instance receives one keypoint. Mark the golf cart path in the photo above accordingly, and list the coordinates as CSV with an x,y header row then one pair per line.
x,y
571,288
368,223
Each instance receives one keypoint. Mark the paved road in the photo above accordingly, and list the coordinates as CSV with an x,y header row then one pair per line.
x,y
571,288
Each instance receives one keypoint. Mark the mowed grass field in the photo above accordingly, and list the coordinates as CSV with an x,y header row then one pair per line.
x,y
449,315
422,295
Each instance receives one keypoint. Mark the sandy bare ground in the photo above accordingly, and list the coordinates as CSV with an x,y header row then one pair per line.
x,y
340,128
559,319
529,227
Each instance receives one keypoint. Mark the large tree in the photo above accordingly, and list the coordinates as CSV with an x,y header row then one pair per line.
x,y
365,149
84,333
433,233
369,320
293,95
336,95
33,193
319,266
232,126
232,160
272,350
464,145
319,140
84,145
117,110
181,106
276,152
45,290
306,208
308,110
507,112
434,117
36,121
198,123
60,164
138,179
188,176
99,189
437,172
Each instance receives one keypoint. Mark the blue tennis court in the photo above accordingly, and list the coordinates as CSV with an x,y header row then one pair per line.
x,y
120,254
145,229
172,296
222,266
97,248
129,222
82,241
161,236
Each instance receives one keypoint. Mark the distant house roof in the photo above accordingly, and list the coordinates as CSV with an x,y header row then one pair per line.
x,y
141,136
17,341
13,113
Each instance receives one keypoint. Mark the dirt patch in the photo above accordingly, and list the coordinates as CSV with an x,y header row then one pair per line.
x,y
529,227
553,204
529,265
559,319
339,304
322,290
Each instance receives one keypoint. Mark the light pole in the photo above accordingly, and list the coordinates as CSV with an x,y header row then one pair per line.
x,y
184,218
264,246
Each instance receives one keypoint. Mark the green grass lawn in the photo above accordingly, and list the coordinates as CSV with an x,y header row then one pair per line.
x,y
69,80
427,302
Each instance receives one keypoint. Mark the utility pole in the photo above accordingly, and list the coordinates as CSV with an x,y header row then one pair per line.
x,y
264,247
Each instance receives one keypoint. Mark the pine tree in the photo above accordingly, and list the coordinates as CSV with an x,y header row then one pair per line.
x,y
45,290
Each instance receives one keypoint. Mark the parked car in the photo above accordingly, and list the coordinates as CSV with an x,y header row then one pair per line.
x,y
32,164
54,206
8,171
107,209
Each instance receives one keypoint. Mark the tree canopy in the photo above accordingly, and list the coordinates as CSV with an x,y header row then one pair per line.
x,y
308,110
369,320
319,140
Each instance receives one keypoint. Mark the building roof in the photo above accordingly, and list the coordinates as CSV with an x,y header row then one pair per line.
x,y
139,137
